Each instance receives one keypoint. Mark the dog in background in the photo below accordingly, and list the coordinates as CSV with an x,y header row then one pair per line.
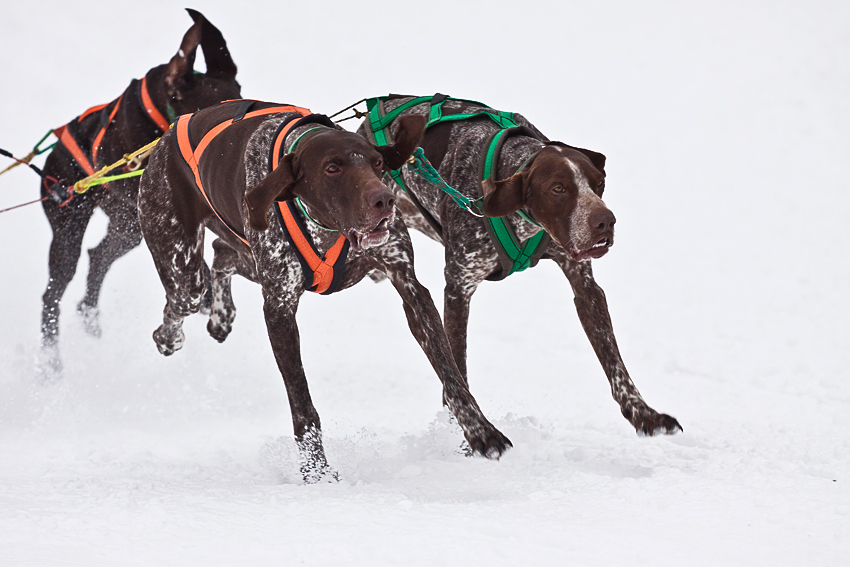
x,y
102,135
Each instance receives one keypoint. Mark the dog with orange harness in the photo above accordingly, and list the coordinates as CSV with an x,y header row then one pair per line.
x,y
298,205
102,135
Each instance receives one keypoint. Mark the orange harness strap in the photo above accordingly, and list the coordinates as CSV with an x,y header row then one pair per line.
x,y
323,268
193,156
67,140
319,273
149,107
326,272
70,143
91,110
96,144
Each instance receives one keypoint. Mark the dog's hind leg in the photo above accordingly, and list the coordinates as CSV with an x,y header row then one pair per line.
x,y
466,267
460,285
222,310
122,235
180,264
593,313
69,225
177,250
206,304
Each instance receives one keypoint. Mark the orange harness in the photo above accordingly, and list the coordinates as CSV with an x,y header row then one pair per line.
x,y
322,274
67,133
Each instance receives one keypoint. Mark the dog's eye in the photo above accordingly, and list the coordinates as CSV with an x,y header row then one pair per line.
x,y
558,189
379,163
332,169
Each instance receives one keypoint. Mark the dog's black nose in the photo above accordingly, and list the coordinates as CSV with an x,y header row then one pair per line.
x,y
602,220
382,199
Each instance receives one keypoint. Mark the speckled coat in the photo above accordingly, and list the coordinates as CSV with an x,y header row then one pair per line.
x,y
174,217
561,186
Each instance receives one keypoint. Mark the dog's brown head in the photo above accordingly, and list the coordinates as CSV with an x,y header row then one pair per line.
x,y
177,87
562,188
338,175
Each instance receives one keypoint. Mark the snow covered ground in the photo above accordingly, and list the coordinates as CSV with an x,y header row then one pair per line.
x,y
727,130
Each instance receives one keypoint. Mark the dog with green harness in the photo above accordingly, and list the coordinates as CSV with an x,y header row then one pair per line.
x,y
500,196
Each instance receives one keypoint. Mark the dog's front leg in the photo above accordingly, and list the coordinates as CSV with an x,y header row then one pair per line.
x,y
593,313
283,334
424,322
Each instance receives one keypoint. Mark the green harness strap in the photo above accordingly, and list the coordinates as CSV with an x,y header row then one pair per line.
x,y
379,135
515,256
379,121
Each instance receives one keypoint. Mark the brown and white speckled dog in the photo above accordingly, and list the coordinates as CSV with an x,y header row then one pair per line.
x,y
122,126
337,176
561,187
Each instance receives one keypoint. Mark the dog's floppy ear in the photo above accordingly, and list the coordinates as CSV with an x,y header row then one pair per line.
x,y
597,159
411,128
503,197
219,62
277,186
181,65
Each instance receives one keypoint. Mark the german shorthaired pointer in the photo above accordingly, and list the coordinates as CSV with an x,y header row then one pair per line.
x,y
547,193
279,185
102,135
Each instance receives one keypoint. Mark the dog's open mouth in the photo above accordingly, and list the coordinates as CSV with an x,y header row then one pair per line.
x,y
369,239
596,251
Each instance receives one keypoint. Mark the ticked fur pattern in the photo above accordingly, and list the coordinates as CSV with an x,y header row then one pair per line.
x,y
471,257
272,262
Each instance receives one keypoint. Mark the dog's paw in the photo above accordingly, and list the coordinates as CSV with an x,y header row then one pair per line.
x,y
649,422
218,330
488,441
318,475
167,341
314,465
91,319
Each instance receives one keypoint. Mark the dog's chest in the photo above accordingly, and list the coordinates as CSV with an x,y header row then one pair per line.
x,y
356,266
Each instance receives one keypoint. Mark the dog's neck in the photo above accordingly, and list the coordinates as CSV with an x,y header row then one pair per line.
x,y
322,237
515,154
516,151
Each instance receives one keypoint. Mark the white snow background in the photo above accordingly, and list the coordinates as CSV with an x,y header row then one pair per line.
x,y
727,131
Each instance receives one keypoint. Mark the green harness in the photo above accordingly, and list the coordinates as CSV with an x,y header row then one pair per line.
x,y
514,255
